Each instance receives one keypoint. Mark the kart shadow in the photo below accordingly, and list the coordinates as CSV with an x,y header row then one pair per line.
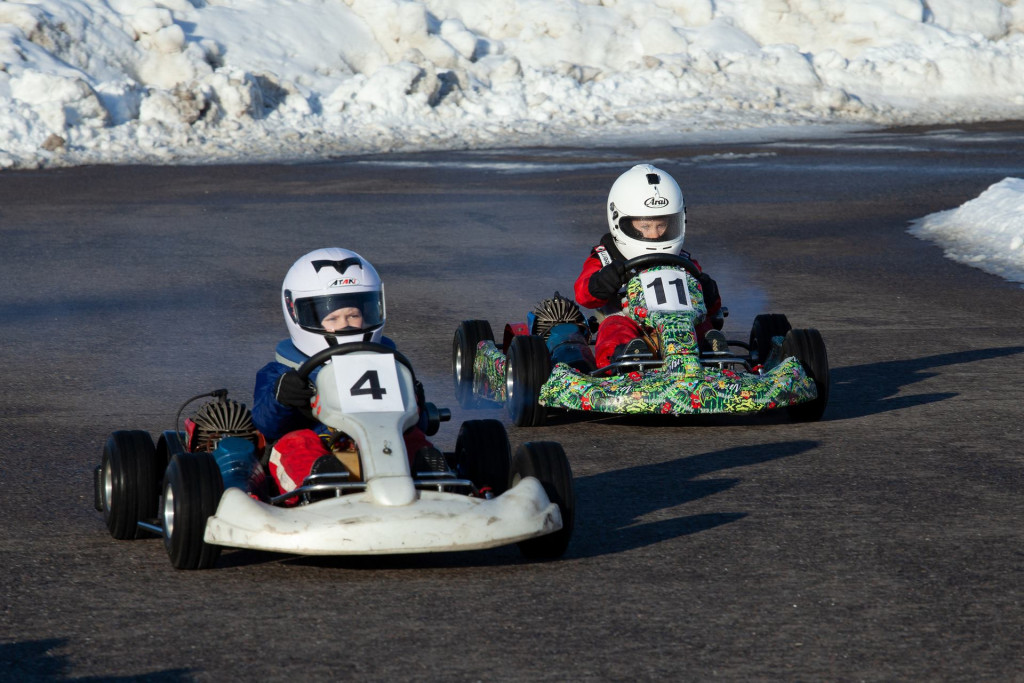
x,y
610,506
34,660
870,389
557,418
855,391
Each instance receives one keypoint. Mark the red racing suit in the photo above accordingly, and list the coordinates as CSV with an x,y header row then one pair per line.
x,y
617,328
300,439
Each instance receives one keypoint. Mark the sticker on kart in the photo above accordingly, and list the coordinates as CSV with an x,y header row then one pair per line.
x,y
368,384
666,290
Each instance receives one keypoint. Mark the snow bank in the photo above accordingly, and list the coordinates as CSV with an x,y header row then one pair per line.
x,y
181,81
986,232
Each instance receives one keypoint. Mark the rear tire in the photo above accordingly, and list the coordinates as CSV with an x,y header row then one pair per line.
x,y
467,338
483,454
767,326
546,461
527,367
809,348
127,483
191,491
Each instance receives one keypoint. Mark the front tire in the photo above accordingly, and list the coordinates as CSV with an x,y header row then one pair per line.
x,y
809,348
766,327
127,484
191,491
464,346
483,455
527,367
546,461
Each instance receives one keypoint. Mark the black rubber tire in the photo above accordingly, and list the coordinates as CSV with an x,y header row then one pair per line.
x,y
483,454
546,461
167,445
765,327
467,338
127,486
527,367
191,491
809,348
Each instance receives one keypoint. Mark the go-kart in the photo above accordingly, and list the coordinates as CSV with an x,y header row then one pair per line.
x,y
548,364
206,487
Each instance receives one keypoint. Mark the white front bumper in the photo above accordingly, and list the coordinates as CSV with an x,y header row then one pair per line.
x,y
353,525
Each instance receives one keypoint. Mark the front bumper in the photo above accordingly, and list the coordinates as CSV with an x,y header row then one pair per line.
x,y
663,392
353,525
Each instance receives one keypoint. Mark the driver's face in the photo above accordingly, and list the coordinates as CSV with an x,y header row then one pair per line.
x,y
343,319
651,228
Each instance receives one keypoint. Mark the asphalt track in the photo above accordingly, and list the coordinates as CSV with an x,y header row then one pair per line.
x,y
881,543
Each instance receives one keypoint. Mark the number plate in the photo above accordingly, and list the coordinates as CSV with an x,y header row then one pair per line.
x,y
368,384
666,290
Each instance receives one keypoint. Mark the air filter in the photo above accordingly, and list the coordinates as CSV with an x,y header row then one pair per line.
x,y
219,419
555,311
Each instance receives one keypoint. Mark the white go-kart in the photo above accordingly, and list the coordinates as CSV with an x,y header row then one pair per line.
x,y
206,487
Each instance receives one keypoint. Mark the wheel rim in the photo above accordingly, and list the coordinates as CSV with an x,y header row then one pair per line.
x,y
458,364
108,486
510,383
168,512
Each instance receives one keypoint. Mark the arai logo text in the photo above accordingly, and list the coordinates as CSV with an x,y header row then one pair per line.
x,y
656,202
344,282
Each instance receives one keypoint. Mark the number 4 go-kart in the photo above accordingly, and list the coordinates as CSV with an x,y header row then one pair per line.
x,y
548,363
205,488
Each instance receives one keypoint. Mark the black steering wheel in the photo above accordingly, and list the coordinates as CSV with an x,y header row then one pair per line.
x,y
645,261
430,417
321,357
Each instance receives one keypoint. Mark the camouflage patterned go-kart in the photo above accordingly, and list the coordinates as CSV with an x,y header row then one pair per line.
x,y
548,362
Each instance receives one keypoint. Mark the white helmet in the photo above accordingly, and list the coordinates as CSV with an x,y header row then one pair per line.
x,y
646,192
329,281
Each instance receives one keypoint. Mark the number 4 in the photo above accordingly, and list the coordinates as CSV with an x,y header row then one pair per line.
x,y
369,384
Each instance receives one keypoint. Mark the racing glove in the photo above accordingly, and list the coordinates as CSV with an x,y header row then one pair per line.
x,y
293,391
421,395
710,289
606,283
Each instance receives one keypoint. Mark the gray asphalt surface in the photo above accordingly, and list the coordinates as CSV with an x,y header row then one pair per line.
x,y
881,543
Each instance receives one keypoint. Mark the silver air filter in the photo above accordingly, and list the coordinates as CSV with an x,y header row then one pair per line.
x,y
219,419
555,311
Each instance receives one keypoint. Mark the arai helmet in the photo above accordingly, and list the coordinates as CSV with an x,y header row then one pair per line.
x,y
332,296
646,192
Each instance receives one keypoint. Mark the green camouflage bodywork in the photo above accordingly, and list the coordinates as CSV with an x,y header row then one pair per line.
x,y
674,393
489,373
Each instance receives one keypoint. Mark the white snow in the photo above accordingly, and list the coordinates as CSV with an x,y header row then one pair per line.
x,y
199,81
986,232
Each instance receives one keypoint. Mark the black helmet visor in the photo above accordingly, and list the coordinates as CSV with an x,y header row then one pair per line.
x,y
309,313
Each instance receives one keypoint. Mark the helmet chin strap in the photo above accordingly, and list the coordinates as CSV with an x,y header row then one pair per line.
x,y
332,340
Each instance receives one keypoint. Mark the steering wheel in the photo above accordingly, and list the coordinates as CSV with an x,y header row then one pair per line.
x,y
645,261
431,415
321,357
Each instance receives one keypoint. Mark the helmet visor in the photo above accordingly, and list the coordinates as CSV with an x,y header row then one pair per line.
x,y
652,228
335,313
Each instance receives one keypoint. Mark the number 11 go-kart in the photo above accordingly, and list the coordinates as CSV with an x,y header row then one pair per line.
x,y
206,487
548,363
